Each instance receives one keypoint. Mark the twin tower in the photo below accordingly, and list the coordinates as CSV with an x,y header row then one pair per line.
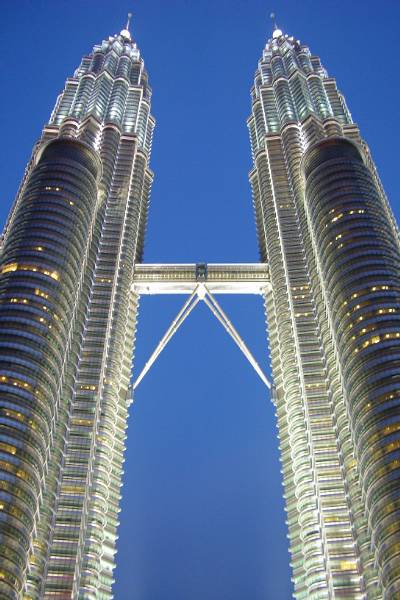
x,y
70,280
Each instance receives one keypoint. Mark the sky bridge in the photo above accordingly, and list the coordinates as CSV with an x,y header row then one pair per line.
x,y
220,278
200,282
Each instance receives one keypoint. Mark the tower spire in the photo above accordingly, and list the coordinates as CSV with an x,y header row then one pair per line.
x,y
276,32
125,32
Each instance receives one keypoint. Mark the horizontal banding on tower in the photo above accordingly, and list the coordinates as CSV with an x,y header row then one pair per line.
x,y
329,149
40,272
358,258
67,148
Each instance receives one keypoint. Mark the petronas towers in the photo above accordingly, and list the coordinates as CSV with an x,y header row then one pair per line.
x,y
69,290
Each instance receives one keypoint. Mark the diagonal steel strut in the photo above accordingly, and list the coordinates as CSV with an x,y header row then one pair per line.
x,y
226,323
202,293
186,309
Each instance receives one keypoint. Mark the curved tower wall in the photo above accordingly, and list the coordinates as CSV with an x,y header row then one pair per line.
x,y
359,265
41,288
335,547
86,236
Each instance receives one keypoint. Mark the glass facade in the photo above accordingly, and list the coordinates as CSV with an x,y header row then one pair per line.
x,y
67,328
332,247
44,254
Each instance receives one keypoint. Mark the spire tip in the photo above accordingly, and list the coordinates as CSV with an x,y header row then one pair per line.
x,y
128,23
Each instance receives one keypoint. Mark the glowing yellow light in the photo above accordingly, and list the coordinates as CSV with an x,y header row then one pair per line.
x,y
348,565
9,268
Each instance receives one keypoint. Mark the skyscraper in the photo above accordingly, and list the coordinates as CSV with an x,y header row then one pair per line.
x,y
67,329
68,311
332,246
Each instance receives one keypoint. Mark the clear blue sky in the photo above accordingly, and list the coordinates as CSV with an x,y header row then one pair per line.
x,y
202,515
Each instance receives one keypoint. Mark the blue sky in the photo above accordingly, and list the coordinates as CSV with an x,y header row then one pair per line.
x,y
202,515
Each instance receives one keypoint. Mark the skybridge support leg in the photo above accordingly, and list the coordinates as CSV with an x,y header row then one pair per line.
x,y
173,328
226,323
202,293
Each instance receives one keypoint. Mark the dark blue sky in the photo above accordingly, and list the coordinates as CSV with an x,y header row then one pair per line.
x,y
202,515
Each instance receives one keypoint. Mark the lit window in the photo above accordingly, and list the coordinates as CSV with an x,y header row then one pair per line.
x,y
9,268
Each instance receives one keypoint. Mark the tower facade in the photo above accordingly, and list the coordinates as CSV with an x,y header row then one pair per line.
x,y
67,329
331,243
